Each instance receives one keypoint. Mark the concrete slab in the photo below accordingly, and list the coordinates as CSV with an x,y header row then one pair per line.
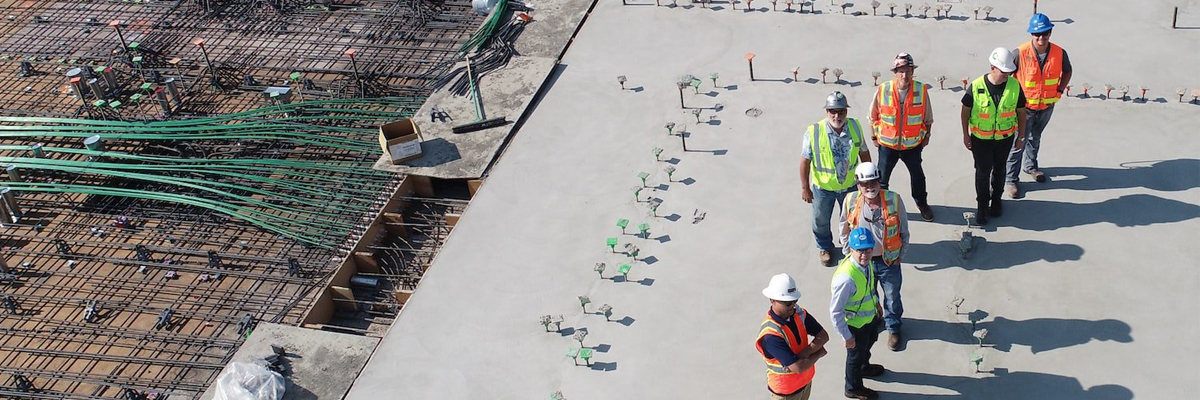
x,y
1086,270
323,364
505,92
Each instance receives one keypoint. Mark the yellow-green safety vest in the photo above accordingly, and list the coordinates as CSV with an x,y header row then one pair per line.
x,y
986,122
822,170
860,308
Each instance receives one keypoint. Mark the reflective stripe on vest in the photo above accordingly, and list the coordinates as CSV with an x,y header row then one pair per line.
x,y
1040,84
860,308
823,169
913,132
780,379
891,231
986,122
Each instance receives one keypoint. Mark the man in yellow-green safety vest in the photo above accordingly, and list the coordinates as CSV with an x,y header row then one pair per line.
x,y
854,309
993,112
831,149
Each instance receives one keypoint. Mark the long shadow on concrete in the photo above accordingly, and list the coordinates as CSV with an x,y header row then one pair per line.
x,y
1003,384
1039,334
1039,215
989,256
1167,176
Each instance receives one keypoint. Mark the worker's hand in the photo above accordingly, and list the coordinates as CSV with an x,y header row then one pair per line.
x,y
967,142
925,141
850,343
806,195
1020,144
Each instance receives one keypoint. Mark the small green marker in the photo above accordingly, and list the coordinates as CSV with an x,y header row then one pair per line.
x,y
622,223
612,244
295,76
644,228
643,176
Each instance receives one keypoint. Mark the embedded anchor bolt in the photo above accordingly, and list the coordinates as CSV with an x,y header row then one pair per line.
x,y
1086,88
874,7
583,302
670,170
607,311
557,395
957,303
987,13
1108,91
941,82
750,59
657,153
696,112
837,74
1143,89
892,9
875,77
1180,92
844,6
795,74
824,70
907,10
621,79
1124,92
977,359
789,6
924,11
579,336
599,268
670,127
980,334
713,76
773,3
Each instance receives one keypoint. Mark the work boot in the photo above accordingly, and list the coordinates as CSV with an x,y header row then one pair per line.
x,y
862,394
926,212
981,215
826,258
872,370
995,211
1038,176
1013,192
894,341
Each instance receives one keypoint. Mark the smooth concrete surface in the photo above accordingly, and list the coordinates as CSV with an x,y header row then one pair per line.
x,y
1085,284
322,364
505,92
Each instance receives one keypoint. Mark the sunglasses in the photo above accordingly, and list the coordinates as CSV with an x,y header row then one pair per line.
x,y
841,111
787,303
1042,34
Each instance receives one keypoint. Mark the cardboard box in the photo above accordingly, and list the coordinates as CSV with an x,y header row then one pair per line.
x,y
401,141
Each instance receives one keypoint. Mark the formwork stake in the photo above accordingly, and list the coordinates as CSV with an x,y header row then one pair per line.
x,y
750,61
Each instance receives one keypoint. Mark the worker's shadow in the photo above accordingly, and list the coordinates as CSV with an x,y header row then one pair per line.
x,y
986,255
1040,215
1164,176
1003,384
1039,334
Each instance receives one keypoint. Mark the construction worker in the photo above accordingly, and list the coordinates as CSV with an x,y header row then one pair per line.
x,y
993,112
783,342
882,212
832,148
902,118
1044,71
853,309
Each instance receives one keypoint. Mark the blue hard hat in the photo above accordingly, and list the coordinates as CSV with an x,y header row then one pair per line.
x,y
1040,23
862,239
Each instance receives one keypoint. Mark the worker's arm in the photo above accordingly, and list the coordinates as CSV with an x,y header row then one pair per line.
x,y
807,362
966,123
806,194
844,226
874,115
928,116
903,214
1020,129
843,288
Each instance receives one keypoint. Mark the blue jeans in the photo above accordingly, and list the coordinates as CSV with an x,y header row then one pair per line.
x,y
822,204
888,158
889,280
1035,123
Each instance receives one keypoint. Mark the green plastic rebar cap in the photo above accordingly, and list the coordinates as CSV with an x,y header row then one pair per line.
x,y
137,60
146,86
622,223
134,45
99,103
295,76
115,104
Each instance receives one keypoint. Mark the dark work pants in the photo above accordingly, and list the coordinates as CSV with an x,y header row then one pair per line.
x,y
991,157
912,160
858,357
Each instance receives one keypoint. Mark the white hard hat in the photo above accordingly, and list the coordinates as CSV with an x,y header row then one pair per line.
x,y
1003,59
866,171
782,288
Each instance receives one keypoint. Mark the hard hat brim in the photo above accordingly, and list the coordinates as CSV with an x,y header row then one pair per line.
x,y
780,297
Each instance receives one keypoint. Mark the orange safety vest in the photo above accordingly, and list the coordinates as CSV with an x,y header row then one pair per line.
x,y
907,134
1040,85
780,379
891,220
